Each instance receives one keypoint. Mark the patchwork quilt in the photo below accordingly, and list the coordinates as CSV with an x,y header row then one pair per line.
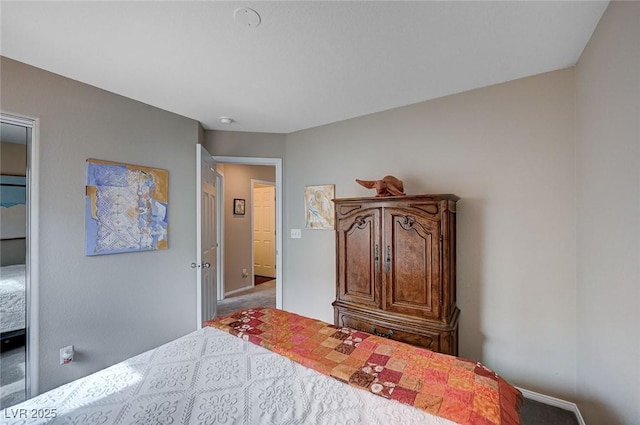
x,y
210,377
453,388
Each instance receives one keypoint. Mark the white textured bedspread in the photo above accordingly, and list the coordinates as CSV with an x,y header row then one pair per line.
x,y
211,377
12,311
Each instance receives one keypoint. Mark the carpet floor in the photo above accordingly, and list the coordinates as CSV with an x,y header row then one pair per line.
x,y
263,295
257,279
12,375
536,413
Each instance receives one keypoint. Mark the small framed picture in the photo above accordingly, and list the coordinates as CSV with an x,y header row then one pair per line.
x,y
238,206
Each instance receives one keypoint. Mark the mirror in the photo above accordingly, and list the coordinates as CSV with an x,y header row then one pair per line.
x,y
14,143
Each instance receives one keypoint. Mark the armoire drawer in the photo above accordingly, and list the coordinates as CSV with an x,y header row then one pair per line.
x,y
423,339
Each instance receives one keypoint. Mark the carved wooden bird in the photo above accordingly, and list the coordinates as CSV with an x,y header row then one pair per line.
x,y
387,186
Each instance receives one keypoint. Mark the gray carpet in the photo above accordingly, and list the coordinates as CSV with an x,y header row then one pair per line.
x,y
12,373
536,413
263,295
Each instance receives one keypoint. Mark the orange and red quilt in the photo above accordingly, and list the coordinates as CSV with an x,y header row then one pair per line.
x,y
457,389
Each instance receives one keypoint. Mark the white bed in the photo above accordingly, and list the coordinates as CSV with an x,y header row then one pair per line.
x,y
212,377
12,300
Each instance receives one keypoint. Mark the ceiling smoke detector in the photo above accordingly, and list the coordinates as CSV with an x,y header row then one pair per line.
x,y
226,120
247,17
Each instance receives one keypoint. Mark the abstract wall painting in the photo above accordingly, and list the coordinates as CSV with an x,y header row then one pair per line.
x,y
13,207
126,208
319,209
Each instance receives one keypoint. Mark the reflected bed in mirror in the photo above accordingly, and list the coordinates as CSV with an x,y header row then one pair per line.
x,y
13,215
12,301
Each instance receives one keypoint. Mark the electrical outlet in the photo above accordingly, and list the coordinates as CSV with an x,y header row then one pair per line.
x,y
245,273
66,354
296,233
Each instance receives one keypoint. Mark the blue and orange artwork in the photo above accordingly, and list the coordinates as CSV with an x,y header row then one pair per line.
x,y
127,208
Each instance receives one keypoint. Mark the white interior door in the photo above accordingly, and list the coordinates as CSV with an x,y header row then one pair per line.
x,y
206,235
264,232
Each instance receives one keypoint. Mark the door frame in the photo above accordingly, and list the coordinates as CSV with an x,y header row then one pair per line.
x,y
254,182
277,162
32,300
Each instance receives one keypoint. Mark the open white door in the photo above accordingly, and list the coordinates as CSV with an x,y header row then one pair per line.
x,y
206,235
264,229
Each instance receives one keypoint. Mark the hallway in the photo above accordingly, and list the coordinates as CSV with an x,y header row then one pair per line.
x,y
263,295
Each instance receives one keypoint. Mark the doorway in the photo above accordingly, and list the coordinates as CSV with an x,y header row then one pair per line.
x,y
18,291
263,230
242,275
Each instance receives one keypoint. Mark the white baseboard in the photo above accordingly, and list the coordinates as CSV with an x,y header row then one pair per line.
x,y
552,401
235,291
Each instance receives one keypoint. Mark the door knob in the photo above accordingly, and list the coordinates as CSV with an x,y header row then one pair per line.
x,y
206,265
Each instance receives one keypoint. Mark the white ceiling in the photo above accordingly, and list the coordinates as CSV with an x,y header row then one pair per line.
x,y
307,64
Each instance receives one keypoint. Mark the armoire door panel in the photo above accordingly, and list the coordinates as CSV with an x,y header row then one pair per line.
x,y
359,258
360,264
411,264
415,264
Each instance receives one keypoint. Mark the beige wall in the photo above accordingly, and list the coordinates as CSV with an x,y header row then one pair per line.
x,y
109,307
13,159
229,143
238,239
508,152
608,199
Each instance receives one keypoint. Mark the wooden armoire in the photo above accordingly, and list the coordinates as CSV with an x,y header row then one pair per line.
x,y
396,268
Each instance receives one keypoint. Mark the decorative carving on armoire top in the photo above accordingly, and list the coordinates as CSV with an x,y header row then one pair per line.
x,y
348,209
431,209
360,221
408,221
